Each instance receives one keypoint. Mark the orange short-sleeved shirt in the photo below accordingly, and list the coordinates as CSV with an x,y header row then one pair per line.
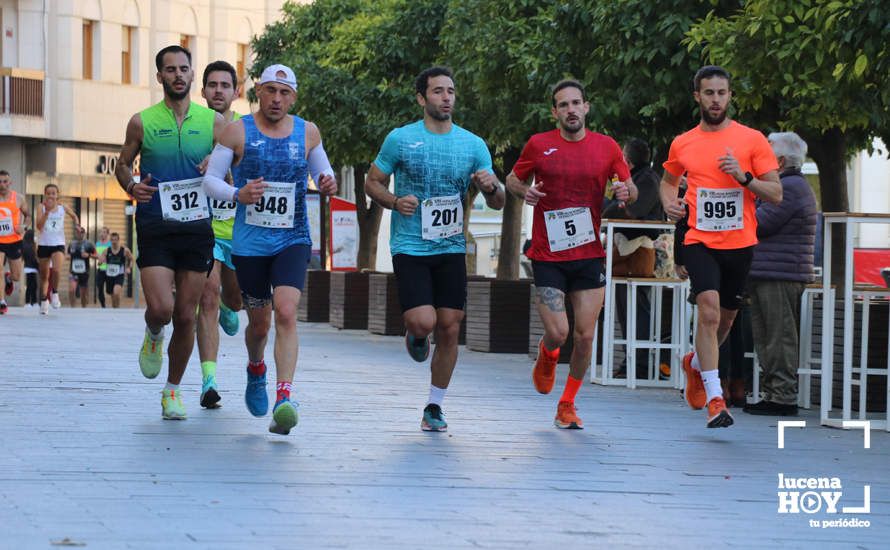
x,y
696,154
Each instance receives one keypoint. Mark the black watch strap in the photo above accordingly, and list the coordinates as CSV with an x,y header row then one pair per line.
x,y
749,177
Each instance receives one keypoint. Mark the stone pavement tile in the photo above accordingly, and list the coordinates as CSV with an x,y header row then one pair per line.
x,y
358,473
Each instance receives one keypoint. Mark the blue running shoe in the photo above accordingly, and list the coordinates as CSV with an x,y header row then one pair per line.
x,y
255,396
418,348
284,417
433,419
228,320
209,395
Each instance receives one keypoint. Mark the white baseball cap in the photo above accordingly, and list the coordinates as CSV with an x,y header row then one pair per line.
x,y
279,73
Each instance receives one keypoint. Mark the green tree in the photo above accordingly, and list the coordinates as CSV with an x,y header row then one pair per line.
x,y
813,67
356,61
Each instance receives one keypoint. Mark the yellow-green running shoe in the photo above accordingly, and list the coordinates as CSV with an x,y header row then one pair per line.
x,y
171,405
284,417
151,355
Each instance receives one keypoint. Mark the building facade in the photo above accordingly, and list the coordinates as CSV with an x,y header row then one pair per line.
x,y
73,72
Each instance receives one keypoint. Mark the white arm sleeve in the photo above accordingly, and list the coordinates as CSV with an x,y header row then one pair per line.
x,y
319,164
215,185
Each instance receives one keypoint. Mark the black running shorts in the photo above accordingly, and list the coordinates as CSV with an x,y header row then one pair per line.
x,y
725,271
570,275
439,280
192,251
13,251
258,275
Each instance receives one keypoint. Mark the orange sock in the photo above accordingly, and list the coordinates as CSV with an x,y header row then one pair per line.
x,y
572,387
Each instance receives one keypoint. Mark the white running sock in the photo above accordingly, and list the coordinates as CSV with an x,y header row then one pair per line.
x,y
155,337
711,378
169,386
437,395
695,362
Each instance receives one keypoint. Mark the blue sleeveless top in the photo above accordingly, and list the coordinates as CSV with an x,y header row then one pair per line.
x,y
273,159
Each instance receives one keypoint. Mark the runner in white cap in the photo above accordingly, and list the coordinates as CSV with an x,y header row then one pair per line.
x,y
270,155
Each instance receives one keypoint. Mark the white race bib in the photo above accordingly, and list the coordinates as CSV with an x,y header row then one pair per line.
x,y
442,217
569,228
223,210
275,208
5,226
719,209
183,200
113,270
78,265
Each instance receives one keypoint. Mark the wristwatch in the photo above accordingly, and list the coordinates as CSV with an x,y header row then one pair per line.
x,y
749,177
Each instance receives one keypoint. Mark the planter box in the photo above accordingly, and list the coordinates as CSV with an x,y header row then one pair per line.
x,y
536,328
315,299
498,315
384,311
349,299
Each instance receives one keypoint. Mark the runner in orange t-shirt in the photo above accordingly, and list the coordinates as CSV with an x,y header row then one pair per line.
x,y
727,166
571,167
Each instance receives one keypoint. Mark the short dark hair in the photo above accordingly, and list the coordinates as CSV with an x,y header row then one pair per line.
x,y
4,173
637,152
710,71
563,84
221,66
421,83
174,48
48,185
116,234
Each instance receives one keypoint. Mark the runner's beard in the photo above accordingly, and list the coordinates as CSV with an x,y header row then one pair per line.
x,y
573,127
710,119
433,112
173,94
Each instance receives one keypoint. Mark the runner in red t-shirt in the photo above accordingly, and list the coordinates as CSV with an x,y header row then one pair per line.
x,y
571,167
720,158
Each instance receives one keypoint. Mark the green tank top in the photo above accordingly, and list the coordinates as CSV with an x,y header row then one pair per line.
x,y
100,248
222,229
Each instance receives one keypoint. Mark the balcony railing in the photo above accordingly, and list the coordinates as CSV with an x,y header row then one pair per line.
x,y
21,92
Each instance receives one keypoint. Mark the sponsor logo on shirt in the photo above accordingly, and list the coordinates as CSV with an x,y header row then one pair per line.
x,y
415,145
550,151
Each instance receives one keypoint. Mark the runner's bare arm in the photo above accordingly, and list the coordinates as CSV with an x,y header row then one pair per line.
x,y
377,187
767,186
71,214
25,213
123,171
524,189
41,218
490,187
669,189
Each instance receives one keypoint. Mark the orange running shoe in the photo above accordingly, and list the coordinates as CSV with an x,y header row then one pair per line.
x,y
695,388
566,417
544,373
718,414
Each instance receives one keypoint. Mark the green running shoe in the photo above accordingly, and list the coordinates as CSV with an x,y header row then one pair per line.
x,y
284,417
171,405
228,320
418,348
433,419
151,356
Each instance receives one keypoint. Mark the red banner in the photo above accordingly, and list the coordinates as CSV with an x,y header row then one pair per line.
x,y
868,263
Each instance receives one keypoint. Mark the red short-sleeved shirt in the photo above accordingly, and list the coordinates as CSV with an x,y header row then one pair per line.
x,y
572,174
696,153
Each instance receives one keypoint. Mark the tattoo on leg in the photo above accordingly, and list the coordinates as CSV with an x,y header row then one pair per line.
x,y
553,298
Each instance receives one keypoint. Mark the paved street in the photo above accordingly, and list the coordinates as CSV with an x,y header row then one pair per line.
x,y
88,461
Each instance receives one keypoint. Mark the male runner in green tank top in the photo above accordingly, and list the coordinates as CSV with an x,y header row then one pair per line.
x,y
220,88
173,230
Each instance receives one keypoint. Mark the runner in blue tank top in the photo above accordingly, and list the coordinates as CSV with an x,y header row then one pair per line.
x,y
174,238
434,162
270,154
